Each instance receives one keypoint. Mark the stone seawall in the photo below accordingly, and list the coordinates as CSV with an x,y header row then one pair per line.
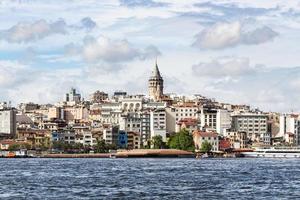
x,y
138,153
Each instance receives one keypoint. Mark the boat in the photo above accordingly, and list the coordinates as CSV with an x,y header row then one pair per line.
x,y
273,153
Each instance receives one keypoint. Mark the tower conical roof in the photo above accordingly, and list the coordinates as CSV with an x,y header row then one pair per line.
x,y
156,73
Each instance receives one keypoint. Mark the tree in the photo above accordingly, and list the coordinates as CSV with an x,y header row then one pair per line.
x,y
59,145
101,147
18,146
112,146
205,147
182,140
148,145
157,142
77,147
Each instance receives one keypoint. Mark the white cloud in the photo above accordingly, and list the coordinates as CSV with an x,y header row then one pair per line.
x,y
150,51
171,28
106,49
109,50
88,23
224,35
270,89
228,66
142,3
26,32
11,73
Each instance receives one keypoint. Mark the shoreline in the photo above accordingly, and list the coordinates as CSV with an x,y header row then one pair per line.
x,y
138,153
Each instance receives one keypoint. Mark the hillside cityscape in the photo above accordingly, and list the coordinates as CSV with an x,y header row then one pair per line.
x,y
136,121
149,99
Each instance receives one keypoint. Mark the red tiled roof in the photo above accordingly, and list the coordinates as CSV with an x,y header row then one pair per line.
x,y
7,141
188,121
205,134
224,144
186,104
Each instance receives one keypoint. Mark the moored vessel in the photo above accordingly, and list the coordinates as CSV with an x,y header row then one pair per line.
x,y
283,152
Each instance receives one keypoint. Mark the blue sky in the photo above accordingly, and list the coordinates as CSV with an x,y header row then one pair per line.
x,y
236,51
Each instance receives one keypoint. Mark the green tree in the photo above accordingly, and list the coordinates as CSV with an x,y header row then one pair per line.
x,y
182,140
14,147
112,146
148,145
101,147
77,147
59,145
205,147
157,142
18,146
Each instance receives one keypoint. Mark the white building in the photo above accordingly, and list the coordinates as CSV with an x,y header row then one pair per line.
x,y
186,111
110,112
72,97
254,124
208,118
132,103
158,123
88,139
130,122
217,120
110,134
8,122
223,121
289,123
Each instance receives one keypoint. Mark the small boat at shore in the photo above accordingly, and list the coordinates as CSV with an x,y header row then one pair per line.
x,y
273,153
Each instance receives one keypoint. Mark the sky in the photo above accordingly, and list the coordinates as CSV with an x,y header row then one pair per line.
x,y
236,51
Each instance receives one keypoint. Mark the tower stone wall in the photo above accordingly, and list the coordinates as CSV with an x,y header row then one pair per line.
x,y
156,84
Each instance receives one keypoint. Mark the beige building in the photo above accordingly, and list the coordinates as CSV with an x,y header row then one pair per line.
x,y
199,137
55,113
188,124
238,140
72,113
134,140
186,110
98,97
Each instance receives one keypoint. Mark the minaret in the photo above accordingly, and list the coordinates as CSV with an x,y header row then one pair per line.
x,y
156,84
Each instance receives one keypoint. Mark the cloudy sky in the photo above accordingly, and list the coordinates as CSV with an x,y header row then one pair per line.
x,y
236,51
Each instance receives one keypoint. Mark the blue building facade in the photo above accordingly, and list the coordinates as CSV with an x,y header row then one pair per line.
x,y
122,140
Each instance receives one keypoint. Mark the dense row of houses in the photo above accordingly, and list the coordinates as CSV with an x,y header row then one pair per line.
x,y
131,121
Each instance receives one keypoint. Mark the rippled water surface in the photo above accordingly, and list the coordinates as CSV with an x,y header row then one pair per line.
x,y
149,179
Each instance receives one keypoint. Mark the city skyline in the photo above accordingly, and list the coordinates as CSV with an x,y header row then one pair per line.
x,y
241,52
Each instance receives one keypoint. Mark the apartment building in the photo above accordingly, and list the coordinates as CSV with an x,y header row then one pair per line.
x,y
8,122
289,124
158,123
254,124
